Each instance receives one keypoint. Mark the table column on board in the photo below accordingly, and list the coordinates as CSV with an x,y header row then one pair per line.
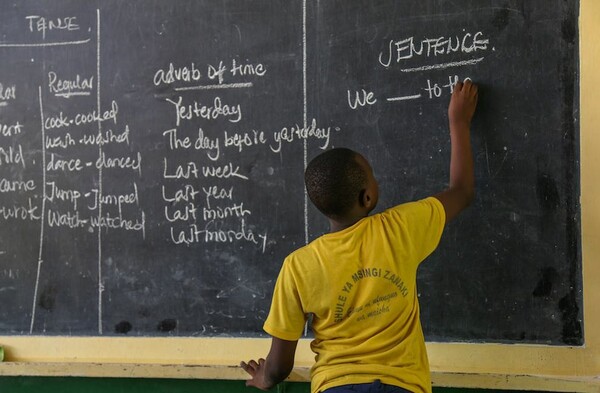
x,y
74,143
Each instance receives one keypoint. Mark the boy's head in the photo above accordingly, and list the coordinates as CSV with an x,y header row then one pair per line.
x,y
339,181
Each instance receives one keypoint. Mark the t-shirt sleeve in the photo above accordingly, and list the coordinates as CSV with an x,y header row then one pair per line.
x,y
421,223
286,318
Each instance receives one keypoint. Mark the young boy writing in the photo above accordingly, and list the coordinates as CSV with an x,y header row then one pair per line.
x,y
359,280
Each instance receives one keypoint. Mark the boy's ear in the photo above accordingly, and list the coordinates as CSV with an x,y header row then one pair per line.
x,y
365,198
361,197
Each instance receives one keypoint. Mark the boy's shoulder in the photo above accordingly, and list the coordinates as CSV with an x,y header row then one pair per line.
x,y
307,250
425,206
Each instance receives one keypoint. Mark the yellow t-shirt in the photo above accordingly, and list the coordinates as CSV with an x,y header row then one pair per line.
x,y
360,286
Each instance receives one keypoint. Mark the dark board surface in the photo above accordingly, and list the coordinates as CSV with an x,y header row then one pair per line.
x,y
176,219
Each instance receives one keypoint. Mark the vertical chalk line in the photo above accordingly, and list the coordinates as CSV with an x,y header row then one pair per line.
x,y
304,88
42,215
99,196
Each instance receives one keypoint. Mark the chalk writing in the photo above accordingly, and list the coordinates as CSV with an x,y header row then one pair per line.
x,y
211,145
361,99
62,141
191,170
106,137
214,233
186,194
236,210
435,90
117,222
61,120
12,155
116,200
7,130
58,164
68,88
7,93
247,69
69,219
120,162
183,213
42,24
177,74
16,185
408,48
217,193
19,212
55,192
245,139
296,132
216,110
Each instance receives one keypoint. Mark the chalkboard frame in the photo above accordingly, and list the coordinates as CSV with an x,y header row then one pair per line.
x,y
556,368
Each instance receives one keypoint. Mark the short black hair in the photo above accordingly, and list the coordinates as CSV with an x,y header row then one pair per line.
x,y
334,181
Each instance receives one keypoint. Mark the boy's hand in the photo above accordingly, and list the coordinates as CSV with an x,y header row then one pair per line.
x,y
462,104
257,372
268,373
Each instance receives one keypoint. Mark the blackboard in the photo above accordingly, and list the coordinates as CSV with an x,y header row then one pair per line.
x,y
151,158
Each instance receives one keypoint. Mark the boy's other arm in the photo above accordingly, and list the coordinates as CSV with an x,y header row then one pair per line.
x,y
278,365
461,187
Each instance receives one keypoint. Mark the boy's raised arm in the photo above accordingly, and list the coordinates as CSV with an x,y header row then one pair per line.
x,y
461,187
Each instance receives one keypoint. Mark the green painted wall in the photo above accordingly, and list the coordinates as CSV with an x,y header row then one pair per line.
x,y
125,385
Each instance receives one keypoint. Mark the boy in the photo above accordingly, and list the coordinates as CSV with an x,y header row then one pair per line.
x,y
359,280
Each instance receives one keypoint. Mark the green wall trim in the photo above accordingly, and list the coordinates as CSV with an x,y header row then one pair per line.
x,y
137,385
